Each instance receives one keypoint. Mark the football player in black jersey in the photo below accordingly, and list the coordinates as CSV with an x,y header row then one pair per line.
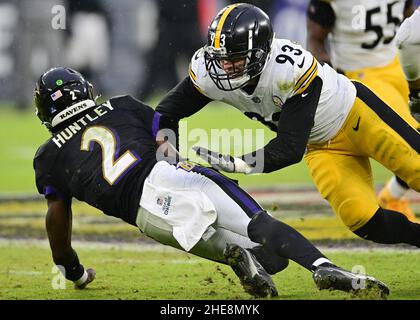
x,y
111,156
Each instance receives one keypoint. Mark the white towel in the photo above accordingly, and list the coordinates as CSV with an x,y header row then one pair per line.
x,y
189,212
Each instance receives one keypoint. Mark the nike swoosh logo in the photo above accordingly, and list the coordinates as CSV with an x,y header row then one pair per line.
x,y
356,128
301,64
304,94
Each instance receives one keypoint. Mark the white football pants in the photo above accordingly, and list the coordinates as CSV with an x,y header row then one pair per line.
x,y
234,208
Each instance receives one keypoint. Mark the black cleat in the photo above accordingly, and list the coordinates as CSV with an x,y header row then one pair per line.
x,y
254,279
334,278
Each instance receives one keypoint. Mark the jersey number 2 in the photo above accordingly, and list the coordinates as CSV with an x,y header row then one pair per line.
x,y
112,167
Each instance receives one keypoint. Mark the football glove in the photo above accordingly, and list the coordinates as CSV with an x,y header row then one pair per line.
x,y
222,162
415,104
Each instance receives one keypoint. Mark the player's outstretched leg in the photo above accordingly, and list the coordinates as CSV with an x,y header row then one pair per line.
x,y
254,279
331,277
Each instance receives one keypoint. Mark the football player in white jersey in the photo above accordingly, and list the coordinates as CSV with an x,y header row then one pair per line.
x,y
361,36
340,124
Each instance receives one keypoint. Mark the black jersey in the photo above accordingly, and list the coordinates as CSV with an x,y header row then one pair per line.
x,y
101,157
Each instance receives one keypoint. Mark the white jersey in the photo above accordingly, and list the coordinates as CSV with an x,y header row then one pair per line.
x,y
364,32
288,72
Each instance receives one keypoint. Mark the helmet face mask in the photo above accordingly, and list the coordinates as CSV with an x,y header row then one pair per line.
x,y
238,77
239,33
60,93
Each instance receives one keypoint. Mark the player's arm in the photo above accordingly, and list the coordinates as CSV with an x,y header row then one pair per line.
x,y
319,23
294,127
59,229
182,101
408,8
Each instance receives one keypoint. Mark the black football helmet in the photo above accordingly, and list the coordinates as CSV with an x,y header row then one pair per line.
x,y
60,93
239,31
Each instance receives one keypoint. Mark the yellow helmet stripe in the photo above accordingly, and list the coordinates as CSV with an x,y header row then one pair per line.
x,y
221,23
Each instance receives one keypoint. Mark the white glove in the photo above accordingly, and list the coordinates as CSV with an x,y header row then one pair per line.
x,y
222,162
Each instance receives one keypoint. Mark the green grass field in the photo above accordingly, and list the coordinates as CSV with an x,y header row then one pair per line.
x,y
168,274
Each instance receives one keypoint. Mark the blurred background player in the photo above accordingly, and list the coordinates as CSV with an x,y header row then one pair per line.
x,y
361,45
178,36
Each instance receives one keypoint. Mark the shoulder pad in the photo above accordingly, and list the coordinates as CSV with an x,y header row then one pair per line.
x,y
124,100
295,68
198,73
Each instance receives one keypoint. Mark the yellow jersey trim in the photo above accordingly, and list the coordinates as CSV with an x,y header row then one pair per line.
x,y
307,77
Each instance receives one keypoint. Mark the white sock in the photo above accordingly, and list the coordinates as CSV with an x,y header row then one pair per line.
x,y
320,261
395,189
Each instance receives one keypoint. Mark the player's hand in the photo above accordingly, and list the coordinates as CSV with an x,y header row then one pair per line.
x,y
222,162
91,274
415,108
216,160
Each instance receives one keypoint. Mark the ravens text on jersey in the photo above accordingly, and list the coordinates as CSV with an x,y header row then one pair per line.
x,y
66,134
